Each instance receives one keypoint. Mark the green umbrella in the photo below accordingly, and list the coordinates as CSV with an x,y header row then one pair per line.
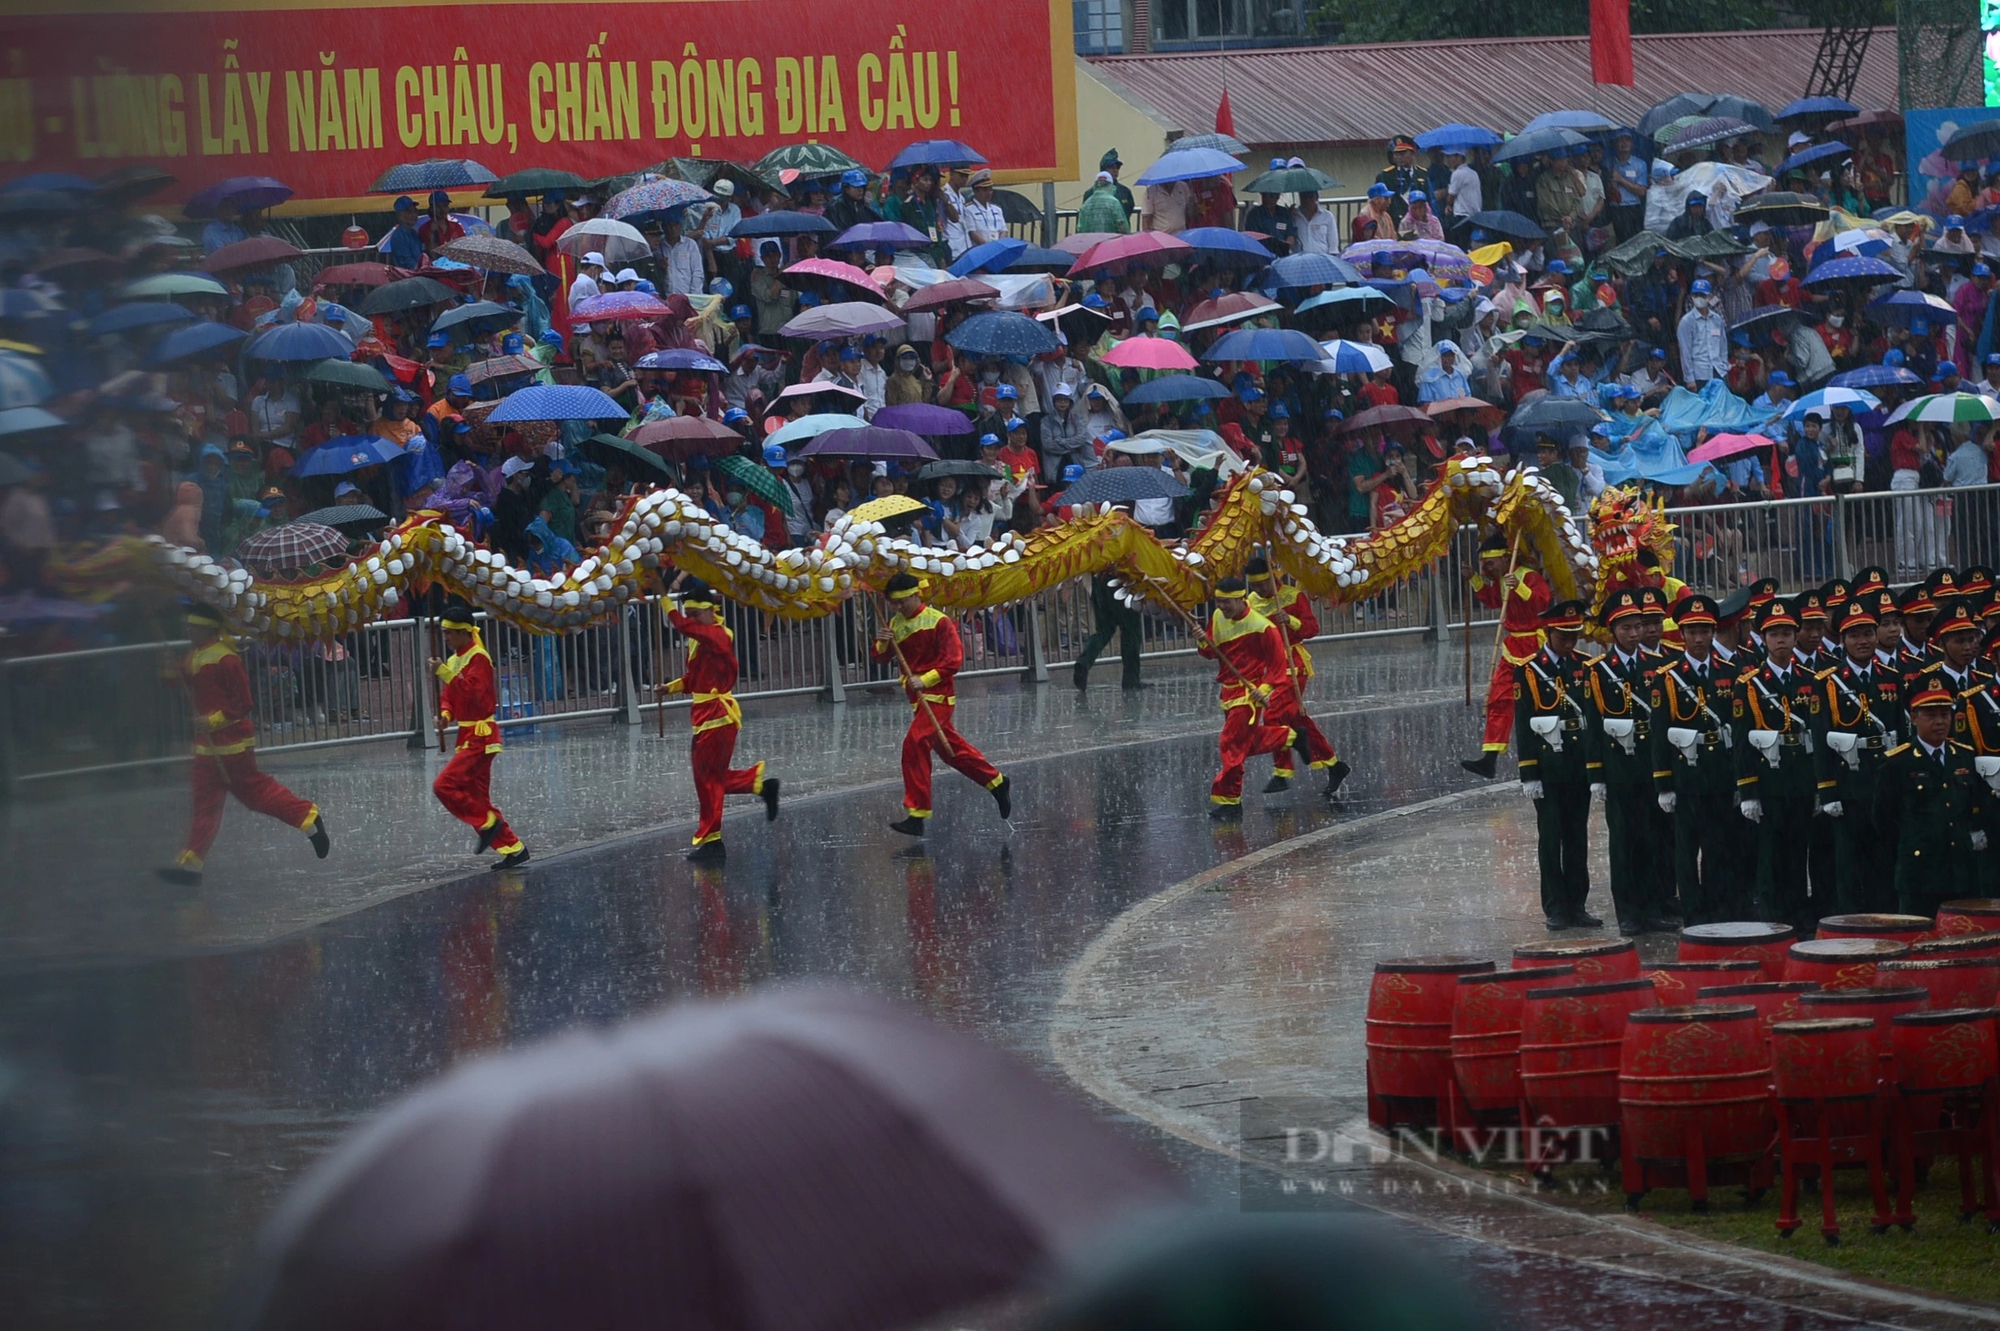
x,y
598,445
176,284
533,180
348,374
758,478
1663,137
1291,180
808,159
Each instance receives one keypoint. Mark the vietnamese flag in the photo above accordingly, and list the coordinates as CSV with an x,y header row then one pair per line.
x,y
1225,118
1611,42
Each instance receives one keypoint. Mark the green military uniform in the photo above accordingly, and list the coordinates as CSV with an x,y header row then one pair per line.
x,y
1620,694
1932,803
1976,724
1552,729
1693,763
1772,715
1860,721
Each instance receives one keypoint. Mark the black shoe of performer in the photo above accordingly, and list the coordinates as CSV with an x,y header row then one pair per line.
x,y
1335,775
179,876
1003,795
1583,919
321,842
770,793
516,859
1080,678
708,850
1277,783
1226,813
1486,764
486,837
911,826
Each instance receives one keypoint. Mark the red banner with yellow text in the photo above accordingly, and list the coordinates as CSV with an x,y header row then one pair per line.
x,y
326,99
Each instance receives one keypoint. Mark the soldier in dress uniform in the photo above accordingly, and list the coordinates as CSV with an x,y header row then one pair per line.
x,y
1522,597
1861,720
1732,632
1290,610
1918,610
1869,579
1660,641
1694,778
1773,710
1931,803
1888,626
1814,653
1762,593
1955,641
1621,696
1553,738
1975,581
1251,660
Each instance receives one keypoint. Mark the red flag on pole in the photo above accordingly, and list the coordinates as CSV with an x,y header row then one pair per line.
x,y
1225,119
1611,42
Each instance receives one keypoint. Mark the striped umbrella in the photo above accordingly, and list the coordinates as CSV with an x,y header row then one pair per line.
x,y
22,382
432,173
1948,409
277,551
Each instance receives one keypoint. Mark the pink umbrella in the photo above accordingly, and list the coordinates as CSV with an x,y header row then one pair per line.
x,y
1148,249
1080,241
1151,353
617,305
1721,446
838,271
944,293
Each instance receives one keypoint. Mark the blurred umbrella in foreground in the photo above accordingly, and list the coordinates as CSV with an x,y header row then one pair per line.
x,y
803,1159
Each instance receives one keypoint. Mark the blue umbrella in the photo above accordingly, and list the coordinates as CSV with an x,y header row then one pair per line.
x,y
1455,135
937,152
1176,388
879,236
557,402
300,342
1516,226
1825,399
1122,485
23,383
1902,306
140,314
1266,344
194,340
23,303
1354,357
1309,270
1533,143
1365,300
1807,108
1874,376
61,181
1853,269
1223,247
245,192
1034,257
1003,333
1584,122
481,316
432,173
1819,152
25,420
680,358
349,452
1972,143
783,222
993,256
1190,164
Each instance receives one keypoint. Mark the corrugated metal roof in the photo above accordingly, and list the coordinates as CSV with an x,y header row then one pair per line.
x,y
1347,94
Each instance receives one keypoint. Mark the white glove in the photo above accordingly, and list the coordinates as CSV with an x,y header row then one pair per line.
x,y
1598,791
1833,808
1667,802
1752,809
1532,789
1979,840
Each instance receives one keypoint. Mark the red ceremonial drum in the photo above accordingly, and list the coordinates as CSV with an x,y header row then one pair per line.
x,y
1830,1058
1681,982
1409,1024
1951,981
1841,963
1900,928
1570,1041
1740,941
1957,945
1695,1078
1970,916
1952,1050
1773,1002
1486,1033
1595,959
1878,1005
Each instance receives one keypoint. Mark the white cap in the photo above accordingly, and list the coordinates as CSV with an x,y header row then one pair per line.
x,y
594,257
1065,390
514,466
627,275
1104,177
1798,139
723,188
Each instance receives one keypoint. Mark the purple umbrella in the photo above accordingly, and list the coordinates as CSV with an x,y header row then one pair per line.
x,y
246,192
923,418
848,318
880,236
680,358
869,442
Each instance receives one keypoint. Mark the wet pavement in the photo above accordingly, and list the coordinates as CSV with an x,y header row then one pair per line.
x,y
164,1077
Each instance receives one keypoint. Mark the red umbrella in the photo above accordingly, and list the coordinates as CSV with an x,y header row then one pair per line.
x,y
1232,308
1147,249
1078,242
1484,412
681,438
613,306
1383,418
370,275
834,270
944,293
256,252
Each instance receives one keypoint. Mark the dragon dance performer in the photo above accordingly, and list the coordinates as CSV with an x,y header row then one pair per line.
x,y
468,696
1252,661
1290,610
1522,597
225,750
709,679
923,642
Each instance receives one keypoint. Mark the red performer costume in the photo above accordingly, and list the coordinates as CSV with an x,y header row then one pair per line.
x,y
1520,595
1251,662
930,655
225,751
709,679
468,697
1291,612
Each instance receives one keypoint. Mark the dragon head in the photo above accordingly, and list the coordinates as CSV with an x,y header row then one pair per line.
x,y
1622,523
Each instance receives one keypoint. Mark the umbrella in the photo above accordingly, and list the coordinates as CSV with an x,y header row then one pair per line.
x,y
1350,303
1037,259
1150,353
932,471
1122,485
1972,143
432,173
881,510
51,180
992,256
1176,388
1707,132
533,180
129,184
1816,153
1537,142
1077,242
944,293
1265,344
1224,143
1824,400
299,342
614,239
818,387
848,318
1674,108
1742,108
363,517
1383,418
1874,376
1782,208
557,402
923,418
255,252
1221,247
1002,333
1148,249
1758,324
681,358
1717,447
1902,306
867,441
603,449
502,367
653,200
246,192
479,316
1309,270
1501,222
808,159
175,284
278,551
880,236
757,478
1291,180
370,275
613,306
784,223
142,314
1583,122
27,303
1344,357
193,340
23,420
937,152
1852,271
409,293
833,270
1556,415
1482,411
1233,307
1866,120
1455,135
349,452
1189,164
1869,240
493,255
813,426
343,373
1947,409
680,437
1815,111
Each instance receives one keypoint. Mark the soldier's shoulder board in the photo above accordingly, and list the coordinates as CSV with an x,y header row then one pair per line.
x,y
1827,673
1900,748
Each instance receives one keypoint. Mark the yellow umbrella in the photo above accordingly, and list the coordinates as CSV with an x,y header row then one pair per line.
x,y
1488,255
888,506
